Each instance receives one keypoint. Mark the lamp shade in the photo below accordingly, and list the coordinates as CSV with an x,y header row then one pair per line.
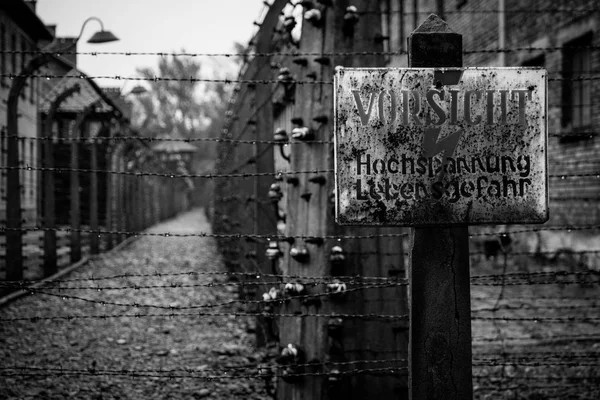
x,y
103,37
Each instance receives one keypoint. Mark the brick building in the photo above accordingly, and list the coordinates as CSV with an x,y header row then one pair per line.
x,y
22,30
564,39
87,111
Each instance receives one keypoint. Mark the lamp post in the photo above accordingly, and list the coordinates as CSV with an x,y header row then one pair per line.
x,y
14,240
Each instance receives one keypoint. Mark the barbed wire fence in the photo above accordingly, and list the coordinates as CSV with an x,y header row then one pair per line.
x,y
546,297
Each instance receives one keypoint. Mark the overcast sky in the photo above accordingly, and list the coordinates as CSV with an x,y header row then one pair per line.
x,y
200,26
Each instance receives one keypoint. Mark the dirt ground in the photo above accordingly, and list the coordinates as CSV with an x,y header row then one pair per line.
x,y
172,356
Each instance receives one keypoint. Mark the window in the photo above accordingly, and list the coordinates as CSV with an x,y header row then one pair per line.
x,y
576,93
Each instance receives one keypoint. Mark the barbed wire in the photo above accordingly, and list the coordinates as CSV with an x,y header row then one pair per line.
x,y
492,11
523,388
529,275
136,374
537,364
325,280
522,298
217,273
282,300
539,319
226,175
538,355
202,314
581,336
506,252
304,278
225,140
166,175
176,285
298,314
264,370
536,378
529,282
284,238
151,140
286,54
524,306
259,367
192,79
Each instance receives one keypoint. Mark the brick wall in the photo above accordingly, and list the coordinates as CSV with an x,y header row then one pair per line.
x,y
12,37
573,200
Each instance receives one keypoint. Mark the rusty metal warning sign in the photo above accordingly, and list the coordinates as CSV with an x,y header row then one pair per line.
x,y
440,146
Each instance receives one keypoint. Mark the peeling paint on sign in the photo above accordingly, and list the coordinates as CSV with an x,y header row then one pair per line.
x,y
440,146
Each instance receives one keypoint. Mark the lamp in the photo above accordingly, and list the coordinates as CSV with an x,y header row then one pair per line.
x,y
138,89
101,36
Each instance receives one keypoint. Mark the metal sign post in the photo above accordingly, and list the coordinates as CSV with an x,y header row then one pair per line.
x,y
439,147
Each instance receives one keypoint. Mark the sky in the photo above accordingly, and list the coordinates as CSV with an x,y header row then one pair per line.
x,y
198,26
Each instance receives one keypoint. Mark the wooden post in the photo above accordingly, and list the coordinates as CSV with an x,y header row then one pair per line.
x,y
49,220
94,239
135,211
306,203
135,207
157,201
139,204
129,218
310,213
124,203
153,202
171,198
160,202
14,239
78,131
110,196
440,306
119,199
143,207
49,217
263,223
142,202
75,195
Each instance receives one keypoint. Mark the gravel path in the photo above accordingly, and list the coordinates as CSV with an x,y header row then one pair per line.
x,y
124,356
